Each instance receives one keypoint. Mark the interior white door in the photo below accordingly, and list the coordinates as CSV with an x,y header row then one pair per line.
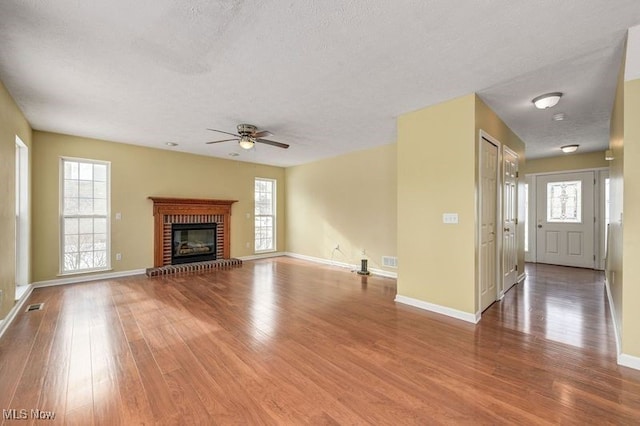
x,y
488,208
566,219
509,218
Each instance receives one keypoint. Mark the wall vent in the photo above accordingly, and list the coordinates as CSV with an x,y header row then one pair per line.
x,y
34,307
390,261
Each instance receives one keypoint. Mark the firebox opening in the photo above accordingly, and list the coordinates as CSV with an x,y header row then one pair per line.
x,y
193,242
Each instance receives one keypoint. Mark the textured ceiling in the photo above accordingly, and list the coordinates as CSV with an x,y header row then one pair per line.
x,y
325,77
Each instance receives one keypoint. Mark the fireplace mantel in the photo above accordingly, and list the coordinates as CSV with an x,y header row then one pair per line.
x,y
166,210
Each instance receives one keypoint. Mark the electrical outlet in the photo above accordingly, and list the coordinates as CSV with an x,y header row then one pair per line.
x,y
118,216
118,256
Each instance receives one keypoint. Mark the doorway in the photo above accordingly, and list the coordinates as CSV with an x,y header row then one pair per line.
x,y
509,219
488,207
565,219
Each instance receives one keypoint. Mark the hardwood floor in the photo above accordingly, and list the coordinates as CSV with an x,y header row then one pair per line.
x,y
282,341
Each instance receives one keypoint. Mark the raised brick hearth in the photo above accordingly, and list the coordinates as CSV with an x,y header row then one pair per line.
x,y
167,211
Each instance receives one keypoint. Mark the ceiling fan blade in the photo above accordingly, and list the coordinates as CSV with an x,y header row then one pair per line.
x,y
226,133
224,140
274,143
262,134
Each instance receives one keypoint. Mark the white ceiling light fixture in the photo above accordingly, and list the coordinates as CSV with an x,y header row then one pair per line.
x,y
547,100
246,142
567,149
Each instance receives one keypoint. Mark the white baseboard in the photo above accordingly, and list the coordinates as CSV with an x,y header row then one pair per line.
x,y
85,278
453,313
612,310
374,271
6,322
521,277
629,361
262,256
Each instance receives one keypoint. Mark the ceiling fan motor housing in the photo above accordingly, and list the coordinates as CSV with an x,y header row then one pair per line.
x,y
247,129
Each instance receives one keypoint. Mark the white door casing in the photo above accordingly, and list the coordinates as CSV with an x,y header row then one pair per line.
x,y
509,218
565,219
488,222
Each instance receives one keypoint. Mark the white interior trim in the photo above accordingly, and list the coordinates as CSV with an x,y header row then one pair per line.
x,y
6,322
262,255
87,278
438,309
521,277
612,310
374,271
629,361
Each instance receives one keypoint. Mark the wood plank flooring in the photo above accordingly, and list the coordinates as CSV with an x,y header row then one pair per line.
x,y
283,341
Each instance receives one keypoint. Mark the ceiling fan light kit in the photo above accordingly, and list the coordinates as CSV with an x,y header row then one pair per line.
x,y
548,100
567,149
247,136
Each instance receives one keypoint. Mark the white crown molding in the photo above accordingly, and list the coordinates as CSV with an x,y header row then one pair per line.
x,y
432,307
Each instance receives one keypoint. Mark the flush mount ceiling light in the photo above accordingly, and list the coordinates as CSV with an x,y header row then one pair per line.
x,y
246,142
547,100
569,148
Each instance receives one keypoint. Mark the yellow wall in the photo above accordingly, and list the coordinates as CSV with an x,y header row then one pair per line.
x,y
12,123
616,174
436,175
348,201
136,173
589,160
631,219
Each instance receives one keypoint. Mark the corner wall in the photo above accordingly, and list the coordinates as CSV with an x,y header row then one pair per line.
x,y
348,201
137,173
12,123
436,175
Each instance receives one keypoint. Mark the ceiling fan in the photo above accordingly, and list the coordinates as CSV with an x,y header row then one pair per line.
x,y
247,136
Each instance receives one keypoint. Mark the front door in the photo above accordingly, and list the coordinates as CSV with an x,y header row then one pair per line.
x,y
509,219
565,219
488,207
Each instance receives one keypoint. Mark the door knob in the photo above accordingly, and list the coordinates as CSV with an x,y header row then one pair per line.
x,y
539,226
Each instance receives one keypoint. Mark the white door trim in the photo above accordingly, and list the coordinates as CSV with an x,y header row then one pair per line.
x,y
498,255
531,256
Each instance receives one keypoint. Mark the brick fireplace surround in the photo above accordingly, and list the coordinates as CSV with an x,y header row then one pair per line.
x,y
167,211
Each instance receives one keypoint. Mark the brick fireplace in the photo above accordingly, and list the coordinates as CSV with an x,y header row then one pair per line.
x,y
169,211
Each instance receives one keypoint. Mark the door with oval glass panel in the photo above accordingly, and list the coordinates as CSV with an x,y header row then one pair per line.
x,y
566,219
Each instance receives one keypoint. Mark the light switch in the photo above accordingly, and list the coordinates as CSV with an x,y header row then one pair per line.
x,y
450,218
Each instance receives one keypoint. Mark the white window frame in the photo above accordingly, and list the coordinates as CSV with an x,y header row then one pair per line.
x,y
274,184
23,218
62,216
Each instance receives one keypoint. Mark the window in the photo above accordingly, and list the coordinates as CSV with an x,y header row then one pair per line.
x,y
84,216
22,214
526,217
265,214
564,202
